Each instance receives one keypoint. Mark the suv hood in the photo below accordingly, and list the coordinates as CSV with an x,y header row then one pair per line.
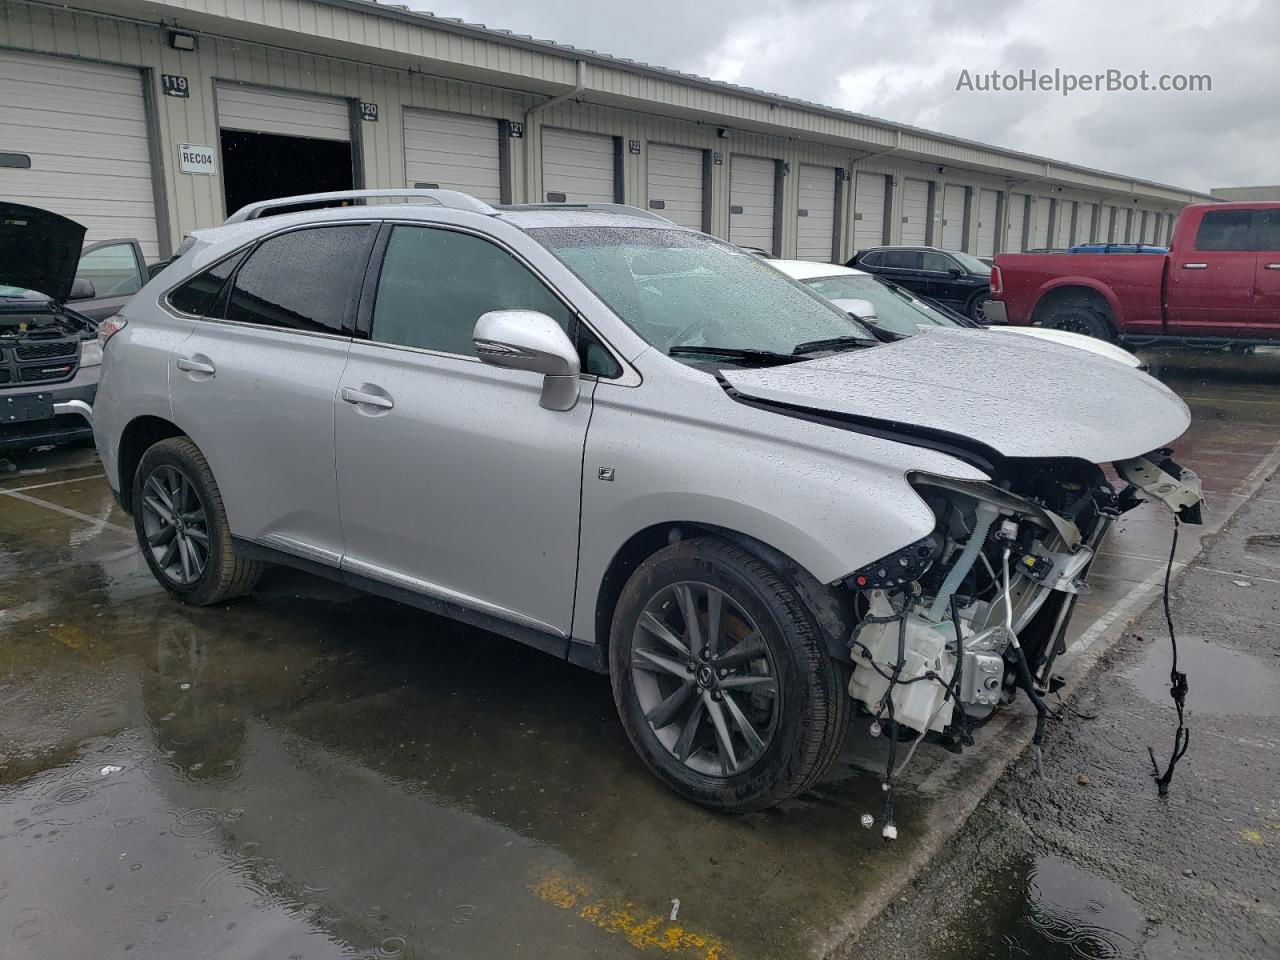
x,y
39,250
1019,396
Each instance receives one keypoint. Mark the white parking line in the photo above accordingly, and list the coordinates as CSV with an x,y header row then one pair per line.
x,y
66,511
53,483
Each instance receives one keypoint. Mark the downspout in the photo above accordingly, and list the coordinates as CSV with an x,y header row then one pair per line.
x,y
529,178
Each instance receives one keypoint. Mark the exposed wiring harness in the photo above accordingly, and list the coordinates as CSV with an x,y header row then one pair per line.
x,y
1024,672
1177,690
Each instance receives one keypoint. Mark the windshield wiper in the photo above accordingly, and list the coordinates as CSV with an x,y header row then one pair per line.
x,y
832,343
741,354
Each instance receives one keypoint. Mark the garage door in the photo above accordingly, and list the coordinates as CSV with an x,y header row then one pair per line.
x,y
577,167
1040,223
868,210
751,199
953,217
675,183
1084,222
816,223
257,110
1017,220
451,151
1110,223
915,211
83,127
988,209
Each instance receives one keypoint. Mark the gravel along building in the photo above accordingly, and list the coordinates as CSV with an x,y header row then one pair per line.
x,y
149,118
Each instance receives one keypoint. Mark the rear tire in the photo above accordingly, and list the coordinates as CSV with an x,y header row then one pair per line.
x,y
1079,318
783,707
975,308
182,529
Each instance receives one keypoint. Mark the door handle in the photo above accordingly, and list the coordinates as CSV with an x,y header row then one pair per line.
x,y
378,400
1273,266
192,365
1195,266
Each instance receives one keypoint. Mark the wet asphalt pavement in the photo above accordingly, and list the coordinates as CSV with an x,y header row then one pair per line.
x,y
313,773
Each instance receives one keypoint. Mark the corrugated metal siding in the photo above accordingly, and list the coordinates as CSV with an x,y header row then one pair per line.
x,y
84,128
816,227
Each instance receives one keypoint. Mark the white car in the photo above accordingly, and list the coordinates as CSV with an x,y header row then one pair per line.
x,y
899,311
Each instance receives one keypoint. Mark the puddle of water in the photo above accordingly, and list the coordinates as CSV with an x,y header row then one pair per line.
x,y
1264,547
1222,681
1048,909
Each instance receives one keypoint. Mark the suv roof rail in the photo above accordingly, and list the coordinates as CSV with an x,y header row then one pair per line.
x,y
621,209
452,199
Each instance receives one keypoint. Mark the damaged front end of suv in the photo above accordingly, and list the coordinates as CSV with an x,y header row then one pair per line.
x,y
953,625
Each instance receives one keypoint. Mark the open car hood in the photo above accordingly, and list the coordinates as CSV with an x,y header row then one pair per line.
x,y
39,250
1020,396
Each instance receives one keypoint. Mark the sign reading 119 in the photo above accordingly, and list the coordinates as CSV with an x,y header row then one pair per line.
x,y
175,85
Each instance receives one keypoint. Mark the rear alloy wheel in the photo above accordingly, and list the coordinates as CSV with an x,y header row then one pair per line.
x,y
1077,318
721,679
182,526
977,308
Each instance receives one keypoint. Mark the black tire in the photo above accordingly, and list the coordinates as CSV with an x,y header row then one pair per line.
x,y
225,573
1080,318
975,308
810,717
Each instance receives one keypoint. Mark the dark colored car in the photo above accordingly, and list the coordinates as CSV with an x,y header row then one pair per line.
x,y
49,353
959,280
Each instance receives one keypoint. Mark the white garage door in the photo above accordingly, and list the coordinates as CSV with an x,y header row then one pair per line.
x,y
675,184
1040,223
868,210
451,151
83,127
1084,223
988,207
1013,242
816,221
751,197
258,110
953,217
915,211
1062,223
577,167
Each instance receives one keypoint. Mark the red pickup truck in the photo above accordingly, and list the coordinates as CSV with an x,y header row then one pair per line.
x,y
1218,286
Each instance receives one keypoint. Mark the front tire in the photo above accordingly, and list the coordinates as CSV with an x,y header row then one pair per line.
x,y
721,678
182,529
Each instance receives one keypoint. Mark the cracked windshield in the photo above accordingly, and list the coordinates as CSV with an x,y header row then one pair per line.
x,y
782,481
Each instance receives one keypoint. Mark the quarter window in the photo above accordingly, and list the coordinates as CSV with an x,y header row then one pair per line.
x,y
435,284
1225,230
196,296
303,280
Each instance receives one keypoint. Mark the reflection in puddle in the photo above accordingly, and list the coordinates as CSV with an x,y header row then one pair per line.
x,y
1223,681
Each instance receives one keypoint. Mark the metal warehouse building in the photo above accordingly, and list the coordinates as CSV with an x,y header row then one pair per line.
x,y
150,118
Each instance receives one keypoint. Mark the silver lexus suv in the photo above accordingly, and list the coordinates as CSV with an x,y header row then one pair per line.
x,y
635,447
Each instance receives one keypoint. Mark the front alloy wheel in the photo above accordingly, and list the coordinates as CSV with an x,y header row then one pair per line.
x,y
175,524
704,679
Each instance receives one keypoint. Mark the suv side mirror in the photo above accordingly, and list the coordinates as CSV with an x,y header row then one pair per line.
x,y
528,340
955,273
858,309
82,290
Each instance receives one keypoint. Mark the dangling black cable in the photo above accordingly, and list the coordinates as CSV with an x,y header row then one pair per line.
x,y
890,829
1178,687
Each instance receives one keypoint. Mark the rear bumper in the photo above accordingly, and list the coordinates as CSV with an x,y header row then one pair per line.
x,y
995,311
72,411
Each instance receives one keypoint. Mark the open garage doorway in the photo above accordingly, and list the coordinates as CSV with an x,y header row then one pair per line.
x,y
262,166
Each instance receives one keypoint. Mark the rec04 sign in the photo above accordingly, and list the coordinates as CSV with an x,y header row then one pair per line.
x,y
194,158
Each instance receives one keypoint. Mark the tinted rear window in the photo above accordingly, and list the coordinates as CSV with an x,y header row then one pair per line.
x,y
1225,230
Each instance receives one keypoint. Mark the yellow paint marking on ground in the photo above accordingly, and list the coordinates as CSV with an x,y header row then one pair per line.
x,y
1253,836
643,931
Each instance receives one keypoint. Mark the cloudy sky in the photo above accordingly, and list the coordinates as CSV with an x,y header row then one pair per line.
x,y
902,60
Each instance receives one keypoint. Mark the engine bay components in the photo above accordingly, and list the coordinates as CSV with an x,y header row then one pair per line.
x,y
1159,477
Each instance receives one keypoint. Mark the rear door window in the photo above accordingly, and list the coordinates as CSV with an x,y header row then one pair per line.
x,y
303,280
901,259
1226,230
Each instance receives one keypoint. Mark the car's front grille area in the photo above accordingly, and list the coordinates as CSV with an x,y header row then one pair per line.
x,y
48,361
46,351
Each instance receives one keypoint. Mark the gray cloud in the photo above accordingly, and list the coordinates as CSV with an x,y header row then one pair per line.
x,y
901,61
